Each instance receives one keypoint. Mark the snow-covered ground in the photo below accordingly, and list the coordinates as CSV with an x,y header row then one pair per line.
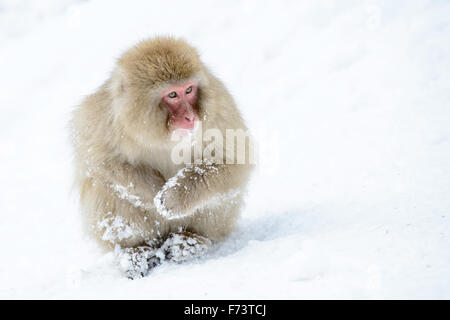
x,y
350,101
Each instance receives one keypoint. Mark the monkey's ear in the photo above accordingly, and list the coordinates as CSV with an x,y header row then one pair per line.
x,y
118,82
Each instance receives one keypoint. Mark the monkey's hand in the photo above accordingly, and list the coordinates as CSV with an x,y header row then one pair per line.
x,y
170,200
197,186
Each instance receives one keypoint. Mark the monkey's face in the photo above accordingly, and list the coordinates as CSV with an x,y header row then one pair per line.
x,y
157,88
180,103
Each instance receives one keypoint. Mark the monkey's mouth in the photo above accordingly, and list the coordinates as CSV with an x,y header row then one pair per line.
x,y
183,122
185,132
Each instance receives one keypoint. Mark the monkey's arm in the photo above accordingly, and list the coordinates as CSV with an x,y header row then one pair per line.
x,y
197,186
136,184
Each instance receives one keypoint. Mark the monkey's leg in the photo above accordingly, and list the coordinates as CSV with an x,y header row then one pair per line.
x,y
183,246
137,262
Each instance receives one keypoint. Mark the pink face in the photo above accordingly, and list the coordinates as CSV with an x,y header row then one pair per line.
x,y
180,102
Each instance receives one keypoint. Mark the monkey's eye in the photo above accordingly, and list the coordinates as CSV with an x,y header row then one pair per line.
x,y
189,90
173,94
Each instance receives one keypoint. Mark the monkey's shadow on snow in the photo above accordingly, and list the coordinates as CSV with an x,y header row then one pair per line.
x,y
268,227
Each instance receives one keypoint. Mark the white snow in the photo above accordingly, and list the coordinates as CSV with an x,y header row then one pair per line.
x,y
114,228
349,100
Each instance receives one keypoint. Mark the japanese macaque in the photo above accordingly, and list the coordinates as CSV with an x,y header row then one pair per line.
x,y
136,196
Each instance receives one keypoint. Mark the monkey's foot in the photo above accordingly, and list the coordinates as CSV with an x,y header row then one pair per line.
x,y
137,262
184,246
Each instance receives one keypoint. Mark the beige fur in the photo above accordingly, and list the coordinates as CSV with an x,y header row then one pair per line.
x,y
122,151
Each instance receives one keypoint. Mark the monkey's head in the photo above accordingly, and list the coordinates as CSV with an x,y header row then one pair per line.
x,y
156,88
